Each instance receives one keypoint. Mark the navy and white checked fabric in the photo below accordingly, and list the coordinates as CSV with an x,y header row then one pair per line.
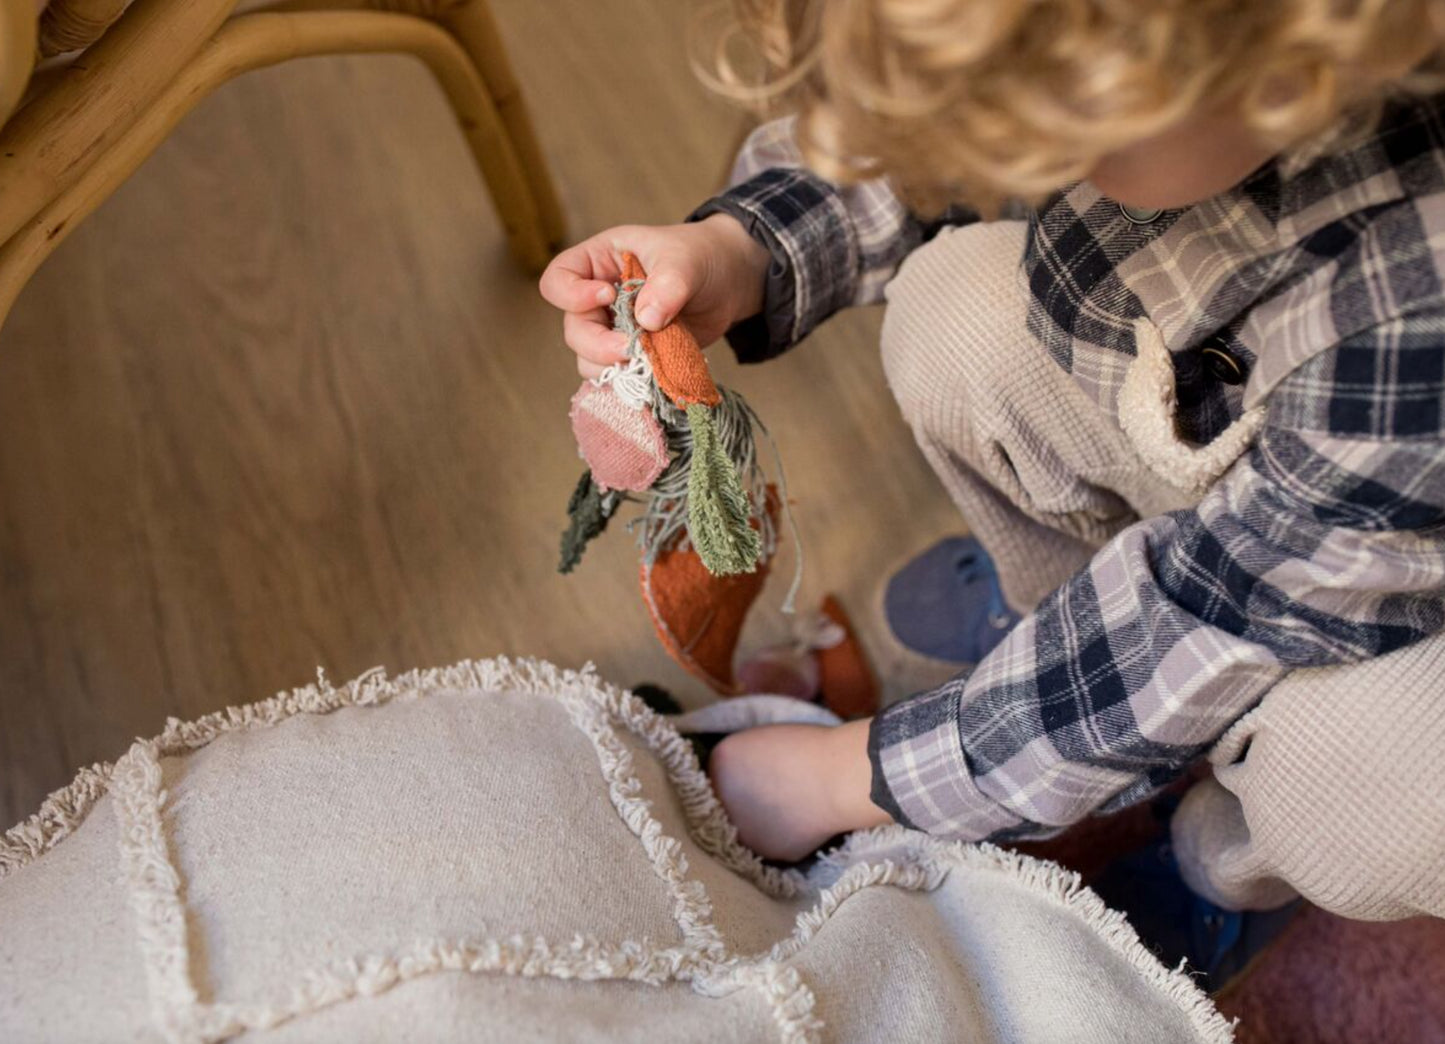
x,y
1323,545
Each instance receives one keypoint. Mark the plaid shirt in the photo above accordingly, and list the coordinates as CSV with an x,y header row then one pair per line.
x,y
1323,544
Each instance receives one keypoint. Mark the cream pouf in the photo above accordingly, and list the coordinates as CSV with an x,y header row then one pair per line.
x,y
506,851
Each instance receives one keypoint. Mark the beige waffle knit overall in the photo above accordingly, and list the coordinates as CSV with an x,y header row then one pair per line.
x,y
1334,786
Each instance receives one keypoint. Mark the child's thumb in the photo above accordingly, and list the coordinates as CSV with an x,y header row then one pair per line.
x,y
665,294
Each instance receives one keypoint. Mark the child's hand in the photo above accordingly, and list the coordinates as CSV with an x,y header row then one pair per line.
x,y
710,273
789,788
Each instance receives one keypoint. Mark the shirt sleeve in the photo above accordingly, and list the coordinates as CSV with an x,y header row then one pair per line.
x,y
832,246
1317,548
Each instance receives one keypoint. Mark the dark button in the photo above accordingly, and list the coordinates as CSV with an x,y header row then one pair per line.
x,y
1223,365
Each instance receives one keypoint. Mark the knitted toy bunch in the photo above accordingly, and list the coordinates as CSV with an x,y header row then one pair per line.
x,y
657,430
658,425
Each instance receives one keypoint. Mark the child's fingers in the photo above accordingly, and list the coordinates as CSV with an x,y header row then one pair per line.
x,y
591,336
570,281
669,287
589,370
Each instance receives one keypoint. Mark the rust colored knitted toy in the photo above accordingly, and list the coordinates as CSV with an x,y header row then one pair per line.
x,y
657,430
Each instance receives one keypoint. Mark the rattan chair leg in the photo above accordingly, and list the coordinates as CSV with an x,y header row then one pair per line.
x,y
252,41
53,140
476,30
471,22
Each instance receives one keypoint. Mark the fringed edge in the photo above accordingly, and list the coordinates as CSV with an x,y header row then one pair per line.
x,y
155,887
523,956
920,877
1146,413
65,809
708,822
704,958
915,862
793,1003
905,859
691,907
58,817
135,783
930,860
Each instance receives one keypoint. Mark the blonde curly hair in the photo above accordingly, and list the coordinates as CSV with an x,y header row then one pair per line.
x,y
979,101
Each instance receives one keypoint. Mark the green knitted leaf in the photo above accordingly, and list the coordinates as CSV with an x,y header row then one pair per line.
x,y
588,513
718,512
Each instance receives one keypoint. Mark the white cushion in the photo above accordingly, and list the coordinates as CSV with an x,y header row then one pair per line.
x,y
507,851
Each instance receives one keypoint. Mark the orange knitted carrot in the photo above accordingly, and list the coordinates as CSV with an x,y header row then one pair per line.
x,y
699,616
845,680
678,365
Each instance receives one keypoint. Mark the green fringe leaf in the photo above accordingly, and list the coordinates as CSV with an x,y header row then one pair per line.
x,y
588,512
718,512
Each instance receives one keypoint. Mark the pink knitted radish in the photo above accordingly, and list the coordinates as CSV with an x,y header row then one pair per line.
x,y
622,444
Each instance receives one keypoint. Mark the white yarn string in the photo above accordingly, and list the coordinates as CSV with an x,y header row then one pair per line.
x,y
631,380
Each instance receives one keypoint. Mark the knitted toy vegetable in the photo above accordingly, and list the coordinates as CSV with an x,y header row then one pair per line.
x,y
657,429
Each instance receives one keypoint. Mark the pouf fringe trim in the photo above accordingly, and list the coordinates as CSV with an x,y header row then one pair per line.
x,y
886,856
908,859
59,815
65,809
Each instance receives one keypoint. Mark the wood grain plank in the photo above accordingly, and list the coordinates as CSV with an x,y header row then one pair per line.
x,y
285,401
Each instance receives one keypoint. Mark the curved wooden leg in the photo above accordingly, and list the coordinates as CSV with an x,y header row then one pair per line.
x,y
471,23
45,147
253,41
476,30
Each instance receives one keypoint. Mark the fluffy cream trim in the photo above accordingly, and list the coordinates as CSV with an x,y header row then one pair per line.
x,y
1147,407
135,784
908,859
889,856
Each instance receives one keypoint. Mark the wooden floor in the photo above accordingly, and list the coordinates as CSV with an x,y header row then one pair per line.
x,y
284,402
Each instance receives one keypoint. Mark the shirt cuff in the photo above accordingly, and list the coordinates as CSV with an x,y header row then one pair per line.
x,y
921,773
803,222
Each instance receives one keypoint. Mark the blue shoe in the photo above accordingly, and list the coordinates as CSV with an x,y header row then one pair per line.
x,y
1179,925
947,603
